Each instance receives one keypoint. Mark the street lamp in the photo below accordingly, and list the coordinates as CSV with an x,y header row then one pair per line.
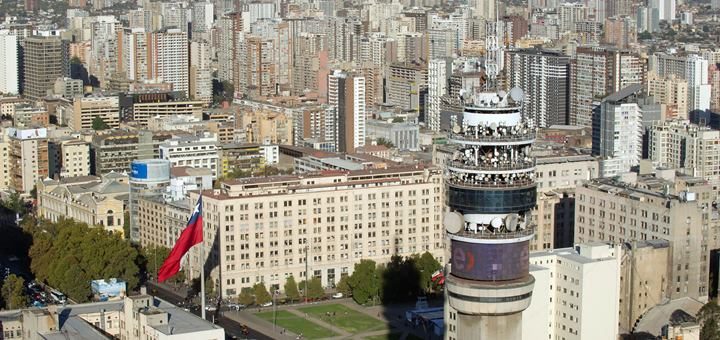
x,y
275,293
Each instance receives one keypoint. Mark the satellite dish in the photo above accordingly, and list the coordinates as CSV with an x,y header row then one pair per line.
x,y
456,128
493,126
517,94
496,222
502,94
511,222
453,222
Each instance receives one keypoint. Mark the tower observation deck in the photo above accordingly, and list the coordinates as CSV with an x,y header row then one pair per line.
x,y
491,190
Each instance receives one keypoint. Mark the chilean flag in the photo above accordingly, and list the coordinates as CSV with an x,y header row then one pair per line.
x,y
190,236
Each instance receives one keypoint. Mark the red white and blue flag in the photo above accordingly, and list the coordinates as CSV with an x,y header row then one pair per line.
x,y
190,236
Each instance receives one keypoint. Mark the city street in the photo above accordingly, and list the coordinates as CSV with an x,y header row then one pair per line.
x,y
232,328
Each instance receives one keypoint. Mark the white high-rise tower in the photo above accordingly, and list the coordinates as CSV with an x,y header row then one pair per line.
x,y
9,67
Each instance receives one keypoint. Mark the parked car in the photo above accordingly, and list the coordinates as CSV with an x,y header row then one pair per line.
x,y
267,304
210,308
337,296
236,306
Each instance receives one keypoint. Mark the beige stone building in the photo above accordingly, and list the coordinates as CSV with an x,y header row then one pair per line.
x,y
27,158
264,126
665,206
86,109
559,170
143,111
689,148
92,200
671,91
68,157
266,229
644,279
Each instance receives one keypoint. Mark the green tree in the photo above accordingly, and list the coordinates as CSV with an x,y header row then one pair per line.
x,y
427,265
261,294
315,289
68,255
12,292
343,286
99,124
385,142
16,204
246,296
645,35
709,318
126,224
365,282
152,258
291,289
209,286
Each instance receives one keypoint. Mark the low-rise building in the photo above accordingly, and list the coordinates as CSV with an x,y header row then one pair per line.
x,y
88,199
68,157
199,151
403,135
114,150
132,318
88,109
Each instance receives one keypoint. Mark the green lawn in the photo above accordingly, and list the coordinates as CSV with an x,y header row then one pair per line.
x,y
297,324
345,318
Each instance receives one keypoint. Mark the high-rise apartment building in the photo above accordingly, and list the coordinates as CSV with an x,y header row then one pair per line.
x,y
86,110
168,58
671,91
693,69
320,225
544,76
688,148
698,88
617,131
598,72
620,31
9,70
439,71
407,86
346,92
257,73
665,8
202,17
486,9
200,77
665,206
42,57
570,13
28,158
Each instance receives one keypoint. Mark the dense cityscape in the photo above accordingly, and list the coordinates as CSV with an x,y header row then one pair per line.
x,y
377,169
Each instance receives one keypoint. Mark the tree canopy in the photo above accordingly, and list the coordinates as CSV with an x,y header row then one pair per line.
x,y
68,255
99,124
12,292
291,289
315,289
709,318
246,296
261,294
152,258
365,282
400,280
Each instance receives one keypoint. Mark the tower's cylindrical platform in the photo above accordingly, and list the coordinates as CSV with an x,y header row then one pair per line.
x,y
490,193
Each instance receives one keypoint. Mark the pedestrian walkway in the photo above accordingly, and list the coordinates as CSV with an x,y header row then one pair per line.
x,y
343,334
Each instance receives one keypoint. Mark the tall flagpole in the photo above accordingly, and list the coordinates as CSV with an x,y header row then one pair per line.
x,y
202,268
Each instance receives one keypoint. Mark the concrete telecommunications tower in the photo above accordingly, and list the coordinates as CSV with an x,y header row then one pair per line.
x,y
491,190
